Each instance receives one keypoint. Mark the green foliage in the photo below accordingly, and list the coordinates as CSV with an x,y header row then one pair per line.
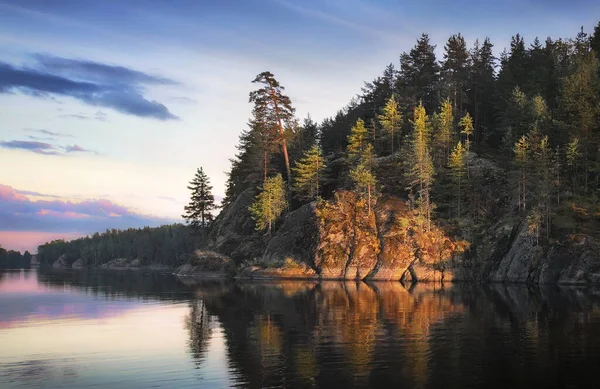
x,y
163,245
521,151
444,125
198,213
419,75
309,173
357,141
270,203
457,165
420,175
363,177
273,109
455,70
10,259
391,120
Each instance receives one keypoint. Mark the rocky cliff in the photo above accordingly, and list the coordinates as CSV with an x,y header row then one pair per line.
x,y
342,238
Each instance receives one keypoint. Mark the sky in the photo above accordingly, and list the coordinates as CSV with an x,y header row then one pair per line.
x,y
107,108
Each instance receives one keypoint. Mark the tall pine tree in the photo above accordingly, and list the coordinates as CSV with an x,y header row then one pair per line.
x,y
274,108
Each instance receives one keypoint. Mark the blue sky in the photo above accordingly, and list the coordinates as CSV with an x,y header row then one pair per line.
x,y
120,101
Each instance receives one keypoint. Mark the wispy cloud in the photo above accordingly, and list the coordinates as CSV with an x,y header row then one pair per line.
x,y
33,146
48,133
330,18
77,149
93,83
74,116
43,148
19,213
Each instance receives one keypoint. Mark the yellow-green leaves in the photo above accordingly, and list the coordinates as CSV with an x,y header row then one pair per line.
x,y
309,172
270,203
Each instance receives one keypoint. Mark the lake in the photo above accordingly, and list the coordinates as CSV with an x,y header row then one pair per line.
x,y
137,329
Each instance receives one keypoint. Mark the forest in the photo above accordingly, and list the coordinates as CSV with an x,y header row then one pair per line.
x,y
431,123
166,245
10,259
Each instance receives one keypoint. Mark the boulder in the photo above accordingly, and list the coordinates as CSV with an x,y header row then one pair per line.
x,y
78,264
207,264
61,263
234,233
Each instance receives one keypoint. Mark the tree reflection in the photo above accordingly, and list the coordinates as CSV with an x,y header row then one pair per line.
x,y
347,334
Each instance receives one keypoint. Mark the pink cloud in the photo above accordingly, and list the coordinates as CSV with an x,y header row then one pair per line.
x,y
50,214
30,240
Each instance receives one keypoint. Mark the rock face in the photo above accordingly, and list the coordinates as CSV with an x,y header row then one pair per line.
x,y
343,239
234,233
122,263
207,264
61,263
78,264
573,260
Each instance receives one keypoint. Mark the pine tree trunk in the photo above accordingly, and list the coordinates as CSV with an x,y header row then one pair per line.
x,y
283,142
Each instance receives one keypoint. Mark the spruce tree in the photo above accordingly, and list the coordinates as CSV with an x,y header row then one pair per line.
x,y
455,70
419,75
420,174
363,177
198,213
269,204
521,160
391,119
457,166
357,141
309,172
444,133
275,109
481,89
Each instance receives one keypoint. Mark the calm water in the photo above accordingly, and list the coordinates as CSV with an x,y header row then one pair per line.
x,y
140,330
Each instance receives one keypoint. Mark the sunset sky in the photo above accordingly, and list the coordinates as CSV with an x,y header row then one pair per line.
x,y
108,107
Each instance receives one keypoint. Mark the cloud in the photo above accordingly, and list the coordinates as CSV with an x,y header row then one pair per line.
x,y
98,72
19,213
77,149
74,116
50,135
33,146
93,83
43,148
184,100
101,116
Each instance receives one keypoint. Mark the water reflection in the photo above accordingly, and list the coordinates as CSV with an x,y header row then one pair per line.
x,y
137,329
383,335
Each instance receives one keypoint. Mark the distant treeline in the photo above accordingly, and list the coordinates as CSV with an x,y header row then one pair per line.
x,y
165,245
14,259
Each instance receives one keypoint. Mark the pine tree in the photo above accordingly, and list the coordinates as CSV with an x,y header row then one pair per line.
x,y
521,159
579,101
269,204
419,75
444,133
481,91
467,129
391,119
198,213
455,70
357,142
309,172
573,157
420,175
275,109
457,165
365,182
544,170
